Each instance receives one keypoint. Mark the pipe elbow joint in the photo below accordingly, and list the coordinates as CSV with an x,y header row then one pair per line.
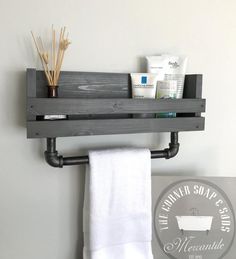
x,y
53,159
172,151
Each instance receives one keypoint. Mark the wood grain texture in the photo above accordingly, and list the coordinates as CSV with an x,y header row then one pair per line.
x,y
64,128
65,106
88,85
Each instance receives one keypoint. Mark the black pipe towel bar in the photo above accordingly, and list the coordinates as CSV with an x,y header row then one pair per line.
x,y
54,159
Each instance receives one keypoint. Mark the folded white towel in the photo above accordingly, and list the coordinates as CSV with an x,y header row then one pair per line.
x,y
117,207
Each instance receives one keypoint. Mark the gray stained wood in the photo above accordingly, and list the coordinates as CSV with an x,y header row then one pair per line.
x,y
99,104
88,85
193,88
72,106
66,128
30,90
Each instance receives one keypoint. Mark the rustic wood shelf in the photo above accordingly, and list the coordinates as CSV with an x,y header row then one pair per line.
x,y
101,103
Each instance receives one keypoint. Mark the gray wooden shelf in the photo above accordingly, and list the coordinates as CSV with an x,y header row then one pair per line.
x,y
100,104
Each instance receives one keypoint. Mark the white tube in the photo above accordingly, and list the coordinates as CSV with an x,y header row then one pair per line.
x,y
156,65
144,85
173,68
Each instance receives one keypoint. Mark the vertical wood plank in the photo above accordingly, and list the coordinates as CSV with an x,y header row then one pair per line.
x,y
193,86
192,89
30,89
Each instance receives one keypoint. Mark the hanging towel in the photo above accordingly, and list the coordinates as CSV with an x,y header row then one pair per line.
x,y
117,207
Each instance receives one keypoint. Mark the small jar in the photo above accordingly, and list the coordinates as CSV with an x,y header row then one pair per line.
x,y
53,93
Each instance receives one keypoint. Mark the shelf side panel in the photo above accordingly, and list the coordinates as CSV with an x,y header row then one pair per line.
x,y
30,91
193,86
193,89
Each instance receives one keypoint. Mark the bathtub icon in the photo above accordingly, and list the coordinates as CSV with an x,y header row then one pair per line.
x,y
194,223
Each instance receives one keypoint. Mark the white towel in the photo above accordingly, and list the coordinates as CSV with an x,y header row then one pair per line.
x,y
117,207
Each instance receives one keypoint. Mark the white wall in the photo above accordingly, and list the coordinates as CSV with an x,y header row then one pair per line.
x,y
41,207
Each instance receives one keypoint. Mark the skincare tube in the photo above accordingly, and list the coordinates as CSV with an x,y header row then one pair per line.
x,y
144,87
173,68
166,90
156,65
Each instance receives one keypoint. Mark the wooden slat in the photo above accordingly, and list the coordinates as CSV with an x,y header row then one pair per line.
x,y
64,128
43,106
88,85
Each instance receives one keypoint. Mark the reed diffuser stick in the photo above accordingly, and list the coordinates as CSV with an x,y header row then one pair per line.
x,y
52,63
41,58
58,54
54,57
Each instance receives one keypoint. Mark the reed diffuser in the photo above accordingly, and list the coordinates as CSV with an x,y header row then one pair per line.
x,y
52,60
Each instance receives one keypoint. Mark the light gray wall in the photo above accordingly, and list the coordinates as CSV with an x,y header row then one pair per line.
x,y
41,207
